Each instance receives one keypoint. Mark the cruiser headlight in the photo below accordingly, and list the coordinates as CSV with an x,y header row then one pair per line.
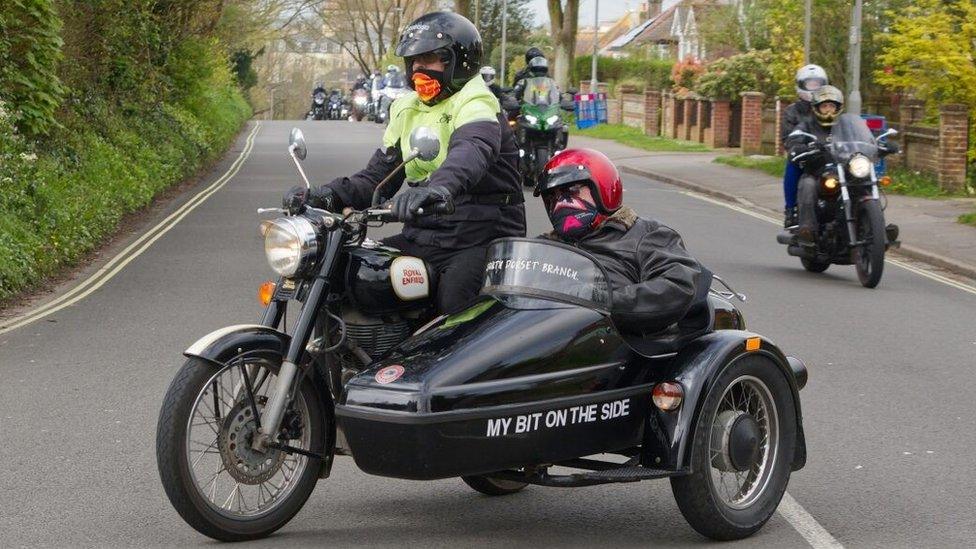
x,y
531,119
289,244
552,119
860,166
359,100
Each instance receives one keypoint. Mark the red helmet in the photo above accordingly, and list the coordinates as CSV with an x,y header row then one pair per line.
x,y
588,166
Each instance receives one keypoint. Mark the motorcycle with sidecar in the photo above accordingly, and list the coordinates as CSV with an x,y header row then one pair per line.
x,y
529,384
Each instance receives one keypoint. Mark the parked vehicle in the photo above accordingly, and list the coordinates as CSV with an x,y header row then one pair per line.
x,y
539,130
532,374
850,217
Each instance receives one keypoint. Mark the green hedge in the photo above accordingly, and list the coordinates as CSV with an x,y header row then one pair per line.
x,y
637,72
64,194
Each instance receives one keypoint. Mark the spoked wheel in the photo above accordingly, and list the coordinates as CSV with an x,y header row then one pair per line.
x,y
219,484
743,447
869,259
493,487
813,265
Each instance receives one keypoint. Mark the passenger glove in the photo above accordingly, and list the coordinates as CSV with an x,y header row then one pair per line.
x,y
889,148
406,203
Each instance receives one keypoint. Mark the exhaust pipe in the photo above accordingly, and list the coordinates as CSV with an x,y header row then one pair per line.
x,y
799,371
786,238
797,251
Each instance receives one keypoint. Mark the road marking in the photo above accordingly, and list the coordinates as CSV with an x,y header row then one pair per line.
x,y
808,527
110,269
896,262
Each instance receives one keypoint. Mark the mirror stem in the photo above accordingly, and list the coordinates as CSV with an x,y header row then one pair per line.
x,y
291,151
376,191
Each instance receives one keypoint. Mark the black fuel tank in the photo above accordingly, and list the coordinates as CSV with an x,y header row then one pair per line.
x,y
382,280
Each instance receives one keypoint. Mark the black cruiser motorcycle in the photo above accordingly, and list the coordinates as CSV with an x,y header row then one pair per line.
x,y
530,377
850,218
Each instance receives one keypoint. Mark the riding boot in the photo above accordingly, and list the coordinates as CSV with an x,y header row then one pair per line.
x,y
789,218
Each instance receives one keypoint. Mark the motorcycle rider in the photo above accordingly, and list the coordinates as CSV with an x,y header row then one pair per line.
x,y
524,72
319,88
656,283
809,78
537,67
393,78
488,73
360,83
826,105
476,168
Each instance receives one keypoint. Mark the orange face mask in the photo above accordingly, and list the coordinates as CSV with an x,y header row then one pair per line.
x,y
427,87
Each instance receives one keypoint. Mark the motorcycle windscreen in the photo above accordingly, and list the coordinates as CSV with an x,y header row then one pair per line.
x,y
545,270
541,90
851,136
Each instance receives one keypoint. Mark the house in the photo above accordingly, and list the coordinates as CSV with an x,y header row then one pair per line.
x,y
671,29
607,32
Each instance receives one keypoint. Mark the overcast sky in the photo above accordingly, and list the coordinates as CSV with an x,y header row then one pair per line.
x,y
609,9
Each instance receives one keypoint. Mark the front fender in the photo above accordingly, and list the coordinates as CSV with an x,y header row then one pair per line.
x,y
221,345
670,435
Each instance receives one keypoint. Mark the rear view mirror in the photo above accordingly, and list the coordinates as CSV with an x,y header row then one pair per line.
x,y
890,133
296,143
424,143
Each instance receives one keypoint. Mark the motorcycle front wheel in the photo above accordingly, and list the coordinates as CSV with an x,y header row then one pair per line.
x,y
742,452
215,480
868,258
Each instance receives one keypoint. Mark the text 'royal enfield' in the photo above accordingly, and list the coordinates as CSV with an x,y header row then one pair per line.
x,y
527,385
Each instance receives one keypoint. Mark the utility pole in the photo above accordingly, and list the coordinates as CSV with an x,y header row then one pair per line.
x,y
477,14
596,45
854,98
504,38
806,32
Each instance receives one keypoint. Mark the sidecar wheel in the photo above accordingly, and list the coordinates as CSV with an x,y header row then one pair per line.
x,y
215,481
493,487
742,450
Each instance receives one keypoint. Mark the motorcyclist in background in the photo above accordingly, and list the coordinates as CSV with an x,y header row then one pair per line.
x,y
361,83
809,79
488,73
393,78
525,72
826,104
656,283
476,167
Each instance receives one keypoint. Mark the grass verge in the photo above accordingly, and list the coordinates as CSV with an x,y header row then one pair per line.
x,y
634,137
772,165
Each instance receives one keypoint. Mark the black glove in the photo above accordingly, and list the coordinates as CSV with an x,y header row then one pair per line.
x,y
317,197
405,204
889,148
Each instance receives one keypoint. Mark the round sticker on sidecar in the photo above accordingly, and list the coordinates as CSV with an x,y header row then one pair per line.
x,y
389,374
409,278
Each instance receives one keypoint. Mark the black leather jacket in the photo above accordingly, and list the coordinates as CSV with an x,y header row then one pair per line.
x,y
795,114
656,282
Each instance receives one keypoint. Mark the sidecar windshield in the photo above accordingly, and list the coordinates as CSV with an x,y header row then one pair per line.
x,y
541,90
547,270
850,136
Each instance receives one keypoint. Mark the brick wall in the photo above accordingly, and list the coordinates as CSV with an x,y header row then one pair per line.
x,y
953,143
752,121
633,110
652,113
717,135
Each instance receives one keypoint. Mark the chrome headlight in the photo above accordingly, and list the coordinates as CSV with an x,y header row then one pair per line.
x,y
531,119
860,166
359,100
552,119
289,244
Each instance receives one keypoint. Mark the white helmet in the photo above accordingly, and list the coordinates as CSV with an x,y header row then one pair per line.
x,y
392,68
809,79
488,73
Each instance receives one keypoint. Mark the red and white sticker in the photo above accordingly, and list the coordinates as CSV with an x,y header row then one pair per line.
x,y
389,374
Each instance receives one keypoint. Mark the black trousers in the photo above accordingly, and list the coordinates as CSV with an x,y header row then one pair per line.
x,y
458,274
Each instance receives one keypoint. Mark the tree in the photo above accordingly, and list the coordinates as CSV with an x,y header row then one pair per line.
x,y
931,52
518,26
563,21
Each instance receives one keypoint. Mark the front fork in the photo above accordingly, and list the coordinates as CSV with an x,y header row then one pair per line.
x,y
285,387
849,206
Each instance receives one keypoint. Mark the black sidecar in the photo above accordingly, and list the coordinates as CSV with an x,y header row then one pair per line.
x,y
534,376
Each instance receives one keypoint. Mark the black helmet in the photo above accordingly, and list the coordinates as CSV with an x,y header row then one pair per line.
x,y
448,31
532,53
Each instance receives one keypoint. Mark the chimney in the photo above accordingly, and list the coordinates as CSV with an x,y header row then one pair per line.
x,y
650,9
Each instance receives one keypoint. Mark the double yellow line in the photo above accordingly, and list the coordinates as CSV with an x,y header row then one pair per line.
x,y
132,251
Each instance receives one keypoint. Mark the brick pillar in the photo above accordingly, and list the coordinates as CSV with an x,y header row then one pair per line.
x,y
721,120
700,117
688,104
781,105
911,111
671,129
752,122
652,113
953,143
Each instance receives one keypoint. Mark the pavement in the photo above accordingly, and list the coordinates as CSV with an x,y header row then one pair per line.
x,y
929,230
888,410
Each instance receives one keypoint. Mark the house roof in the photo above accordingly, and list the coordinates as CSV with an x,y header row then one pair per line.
x,y
584,40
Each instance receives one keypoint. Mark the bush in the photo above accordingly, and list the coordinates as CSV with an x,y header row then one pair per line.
x,y
728,77
641,73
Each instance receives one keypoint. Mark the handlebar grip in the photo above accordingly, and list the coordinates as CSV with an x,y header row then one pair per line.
x,y
446,208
